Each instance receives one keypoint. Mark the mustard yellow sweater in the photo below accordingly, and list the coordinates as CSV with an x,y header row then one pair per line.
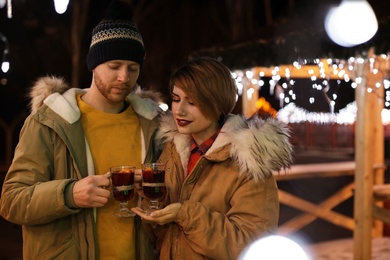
x,y
115,139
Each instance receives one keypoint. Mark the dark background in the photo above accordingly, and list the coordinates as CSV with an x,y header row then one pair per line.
x,y
242,32
173,30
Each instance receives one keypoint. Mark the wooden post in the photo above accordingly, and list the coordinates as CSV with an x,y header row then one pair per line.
x,y
379,142
363,176
369,143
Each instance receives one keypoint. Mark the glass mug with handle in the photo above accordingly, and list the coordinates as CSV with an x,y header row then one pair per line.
x,y
122,178
153,184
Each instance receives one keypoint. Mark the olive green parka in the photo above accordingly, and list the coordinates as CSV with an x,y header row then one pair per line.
x,y
52,154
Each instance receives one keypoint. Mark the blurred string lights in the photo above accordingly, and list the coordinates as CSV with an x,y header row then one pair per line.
x,y
59,5
374,71
349,24
5,56
5,62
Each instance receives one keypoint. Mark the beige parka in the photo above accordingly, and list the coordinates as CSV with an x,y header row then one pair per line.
x,y
230,198
52,154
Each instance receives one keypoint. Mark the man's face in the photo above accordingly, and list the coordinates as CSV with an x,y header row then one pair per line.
x,y
115,79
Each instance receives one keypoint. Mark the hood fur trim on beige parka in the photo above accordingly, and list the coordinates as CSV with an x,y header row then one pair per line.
x,y
259,147
56,93
44,87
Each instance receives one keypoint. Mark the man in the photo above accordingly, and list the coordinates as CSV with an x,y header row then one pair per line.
x,y
57,184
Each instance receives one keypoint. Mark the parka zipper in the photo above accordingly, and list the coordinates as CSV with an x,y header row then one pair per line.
x,y
194,175
173,237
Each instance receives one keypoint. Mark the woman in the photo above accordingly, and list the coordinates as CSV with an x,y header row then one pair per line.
x,y
219,168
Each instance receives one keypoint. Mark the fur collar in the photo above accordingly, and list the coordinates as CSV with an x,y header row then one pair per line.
x,y
44,87
259,147
59,97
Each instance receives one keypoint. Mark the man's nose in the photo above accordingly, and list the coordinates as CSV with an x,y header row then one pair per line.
x,y
123,76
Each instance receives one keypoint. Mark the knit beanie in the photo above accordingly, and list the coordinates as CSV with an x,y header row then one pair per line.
x,y
116,37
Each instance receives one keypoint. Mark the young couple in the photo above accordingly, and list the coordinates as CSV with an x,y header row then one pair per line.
x,y
219,167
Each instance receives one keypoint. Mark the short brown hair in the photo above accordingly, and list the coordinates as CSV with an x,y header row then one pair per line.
x,y
209,84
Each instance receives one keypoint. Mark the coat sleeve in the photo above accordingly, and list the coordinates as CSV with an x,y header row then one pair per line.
x,y
34,188
253,212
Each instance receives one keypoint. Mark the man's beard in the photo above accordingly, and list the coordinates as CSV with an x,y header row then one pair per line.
x,y
105,91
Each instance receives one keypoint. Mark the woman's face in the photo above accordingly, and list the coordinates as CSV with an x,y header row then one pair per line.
x,y
189,119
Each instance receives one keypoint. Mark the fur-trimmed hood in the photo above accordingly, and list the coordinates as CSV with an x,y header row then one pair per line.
x,y
58,96
259,147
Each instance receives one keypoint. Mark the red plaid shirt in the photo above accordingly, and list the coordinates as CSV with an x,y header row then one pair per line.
x,y
198,151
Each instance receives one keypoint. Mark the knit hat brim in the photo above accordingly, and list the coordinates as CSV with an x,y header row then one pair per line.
x,y
116,37
115,50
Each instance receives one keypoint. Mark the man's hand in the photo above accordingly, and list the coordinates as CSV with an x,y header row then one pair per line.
x,y
92,191
161,216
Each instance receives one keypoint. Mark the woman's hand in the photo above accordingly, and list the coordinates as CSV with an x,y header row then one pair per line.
x,y
138,182
161,216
